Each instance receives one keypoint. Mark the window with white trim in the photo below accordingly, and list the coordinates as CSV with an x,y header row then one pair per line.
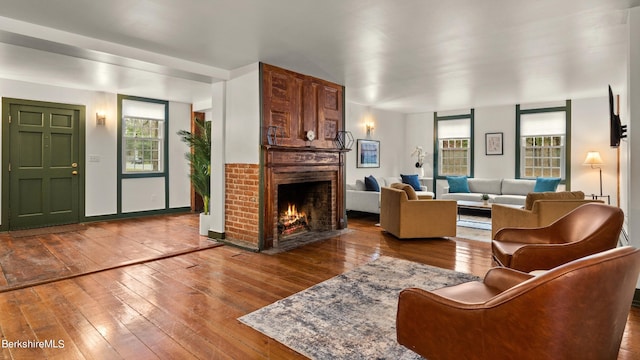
x,y
454,146
142,141
543,144
143,133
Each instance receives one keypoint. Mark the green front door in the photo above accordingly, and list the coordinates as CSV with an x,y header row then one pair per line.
x,y
43,165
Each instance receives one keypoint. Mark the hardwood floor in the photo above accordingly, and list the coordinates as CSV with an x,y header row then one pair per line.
x,y
29,257
186,306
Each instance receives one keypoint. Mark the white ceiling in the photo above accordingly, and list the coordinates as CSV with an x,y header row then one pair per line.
x,y
403,55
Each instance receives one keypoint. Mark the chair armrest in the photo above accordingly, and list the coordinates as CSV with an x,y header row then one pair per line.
x,y
549,256
540,235
421,313
505,278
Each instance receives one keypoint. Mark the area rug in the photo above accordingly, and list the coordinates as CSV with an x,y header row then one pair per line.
x,y
353,315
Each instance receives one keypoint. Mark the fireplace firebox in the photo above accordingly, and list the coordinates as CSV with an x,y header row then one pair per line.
x,y
303,207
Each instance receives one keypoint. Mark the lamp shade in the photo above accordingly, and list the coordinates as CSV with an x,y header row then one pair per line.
x,y
593,158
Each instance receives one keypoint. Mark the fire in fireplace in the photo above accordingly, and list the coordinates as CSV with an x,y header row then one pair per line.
x,y
304,207
291,221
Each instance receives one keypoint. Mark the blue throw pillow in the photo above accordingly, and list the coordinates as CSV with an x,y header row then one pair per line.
x,y
371,184
546,184
458,184
411,180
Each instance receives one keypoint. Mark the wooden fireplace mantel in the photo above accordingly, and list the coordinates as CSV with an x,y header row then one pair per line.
x,y
284,165
277,156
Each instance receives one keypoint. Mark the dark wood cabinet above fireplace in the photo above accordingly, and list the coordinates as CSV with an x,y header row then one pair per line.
x,y
299,108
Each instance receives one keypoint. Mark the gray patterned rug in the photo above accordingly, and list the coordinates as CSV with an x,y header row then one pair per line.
x,y
350,316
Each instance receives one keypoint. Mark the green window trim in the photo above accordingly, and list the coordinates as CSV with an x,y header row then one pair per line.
x,y
164,173
567,139
436,143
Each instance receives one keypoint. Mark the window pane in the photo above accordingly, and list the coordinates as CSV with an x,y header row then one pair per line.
x,y
454,157
142,145
542,156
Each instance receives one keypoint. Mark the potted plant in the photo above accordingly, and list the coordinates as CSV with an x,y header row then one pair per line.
x,y
485,199
200,158
419,154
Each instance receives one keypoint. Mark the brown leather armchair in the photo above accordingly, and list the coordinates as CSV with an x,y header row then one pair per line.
x,y
586,230
575,311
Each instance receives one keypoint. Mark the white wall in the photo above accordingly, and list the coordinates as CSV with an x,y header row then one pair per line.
x,y
101,143
179,169
389,130
492,120
102,157
242,131
142,194
218,155
590,132
419,132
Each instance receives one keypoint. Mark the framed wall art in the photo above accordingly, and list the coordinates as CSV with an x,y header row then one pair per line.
x,y
493,143
368,153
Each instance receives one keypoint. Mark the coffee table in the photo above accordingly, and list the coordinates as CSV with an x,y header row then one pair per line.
x,y
480,206
473,205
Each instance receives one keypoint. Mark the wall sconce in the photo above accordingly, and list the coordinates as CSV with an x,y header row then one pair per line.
x,y
101,118
369,126
593,158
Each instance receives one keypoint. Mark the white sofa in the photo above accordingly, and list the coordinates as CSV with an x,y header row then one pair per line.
x,y
500,191
359,199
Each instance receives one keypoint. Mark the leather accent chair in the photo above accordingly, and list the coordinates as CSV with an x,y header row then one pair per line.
x,y
406,216
575,311
586,230
541,209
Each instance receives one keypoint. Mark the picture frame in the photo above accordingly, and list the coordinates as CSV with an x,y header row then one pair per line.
x,y
368,153
493,143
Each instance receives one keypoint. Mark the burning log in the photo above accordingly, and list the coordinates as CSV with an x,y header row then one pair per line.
x,y
292,221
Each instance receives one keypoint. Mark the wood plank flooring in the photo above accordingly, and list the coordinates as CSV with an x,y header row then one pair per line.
x,y
39,255
186,306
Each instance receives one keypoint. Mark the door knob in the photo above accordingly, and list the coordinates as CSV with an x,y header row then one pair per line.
x,y
74,172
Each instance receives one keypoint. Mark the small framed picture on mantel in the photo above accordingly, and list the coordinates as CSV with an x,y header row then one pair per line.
x,y
368,153
493,143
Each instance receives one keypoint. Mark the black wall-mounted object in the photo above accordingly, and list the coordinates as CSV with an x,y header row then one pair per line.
x,y
617,131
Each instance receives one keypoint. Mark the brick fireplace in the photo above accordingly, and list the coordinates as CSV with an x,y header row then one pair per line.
x,y
300,166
